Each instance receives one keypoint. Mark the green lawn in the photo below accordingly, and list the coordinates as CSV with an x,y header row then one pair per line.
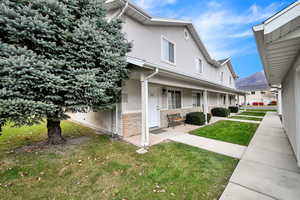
x,y
105,169
262,110
247,118
228,131
258,114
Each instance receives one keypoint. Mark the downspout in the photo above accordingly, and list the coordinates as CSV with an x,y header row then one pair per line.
x,y
145,127
116,131
123,10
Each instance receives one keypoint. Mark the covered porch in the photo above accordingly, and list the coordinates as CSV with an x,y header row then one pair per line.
x,y
161,94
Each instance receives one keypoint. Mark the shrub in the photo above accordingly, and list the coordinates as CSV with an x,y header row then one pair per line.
x,y
195,118
220,112
233,109
208,117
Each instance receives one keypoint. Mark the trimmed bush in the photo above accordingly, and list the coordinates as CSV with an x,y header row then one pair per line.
x,y
208,117
233,109
220,112
195,118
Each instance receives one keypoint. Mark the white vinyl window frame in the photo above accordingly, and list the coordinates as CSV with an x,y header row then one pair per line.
x,y
222,77
163,38
230,80
195,95
199,65
181,98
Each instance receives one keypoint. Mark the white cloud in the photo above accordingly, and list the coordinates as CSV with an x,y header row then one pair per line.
x,y
150,4
242,34
221,28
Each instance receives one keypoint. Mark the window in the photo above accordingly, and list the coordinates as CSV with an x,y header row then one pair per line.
x,y
262,92
222,77
168,51
199,66
253,92
174,99
197,99
223,99
230,80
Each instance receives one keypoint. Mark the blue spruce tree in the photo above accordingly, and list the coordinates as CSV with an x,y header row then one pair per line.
x,y
58,56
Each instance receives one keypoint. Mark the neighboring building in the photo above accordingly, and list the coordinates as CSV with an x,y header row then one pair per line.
x,y
278,41
171,72
257,88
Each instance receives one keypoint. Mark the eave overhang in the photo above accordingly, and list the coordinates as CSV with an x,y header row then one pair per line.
x,y
184,76
278,42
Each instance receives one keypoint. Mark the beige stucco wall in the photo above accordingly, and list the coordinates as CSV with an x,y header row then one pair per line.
x,y
290,107
147,41
101,121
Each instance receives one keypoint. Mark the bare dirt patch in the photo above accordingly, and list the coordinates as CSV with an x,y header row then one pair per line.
x,y
71,143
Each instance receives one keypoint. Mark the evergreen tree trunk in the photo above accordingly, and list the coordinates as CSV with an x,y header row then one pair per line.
x,y
54,132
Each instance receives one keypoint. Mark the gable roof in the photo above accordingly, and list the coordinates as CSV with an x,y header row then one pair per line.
x,y
230,66
145,18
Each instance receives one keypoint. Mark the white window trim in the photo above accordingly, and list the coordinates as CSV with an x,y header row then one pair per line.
x,y
161,51
196,64
198,92
181,92
222,77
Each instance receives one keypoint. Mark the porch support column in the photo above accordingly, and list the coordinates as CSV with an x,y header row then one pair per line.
x,y
227,100
279,102
205,102
145,124
245,100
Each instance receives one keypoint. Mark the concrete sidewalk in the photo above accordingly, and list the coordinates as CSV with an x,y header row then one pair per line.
x,y
268,169
225,148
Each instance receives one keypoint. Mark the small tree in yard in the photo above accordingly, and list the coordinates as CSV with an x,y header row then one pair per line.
x,y
58,56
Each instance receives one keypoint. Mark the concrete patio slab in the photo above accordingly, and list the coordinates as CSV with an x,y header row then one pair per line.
x,y
225,148
234,191
268,166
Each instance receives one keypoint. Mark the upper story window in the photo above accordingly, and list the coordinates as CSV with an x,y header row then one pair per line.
x,y
168,51
252,92
199,66
230,80
222,77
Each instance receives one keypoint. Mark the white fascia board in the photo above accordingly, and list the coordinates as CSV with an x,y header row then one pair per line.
x,y
261,46
173,21
177,74
282,18
135,61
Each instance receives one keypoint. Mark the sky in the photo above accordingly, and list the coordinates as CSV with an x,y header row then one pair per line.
x,y
224,26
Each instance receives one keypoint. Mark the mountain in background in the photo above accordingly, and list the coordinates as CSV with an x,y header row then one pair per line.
x,y
254,82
